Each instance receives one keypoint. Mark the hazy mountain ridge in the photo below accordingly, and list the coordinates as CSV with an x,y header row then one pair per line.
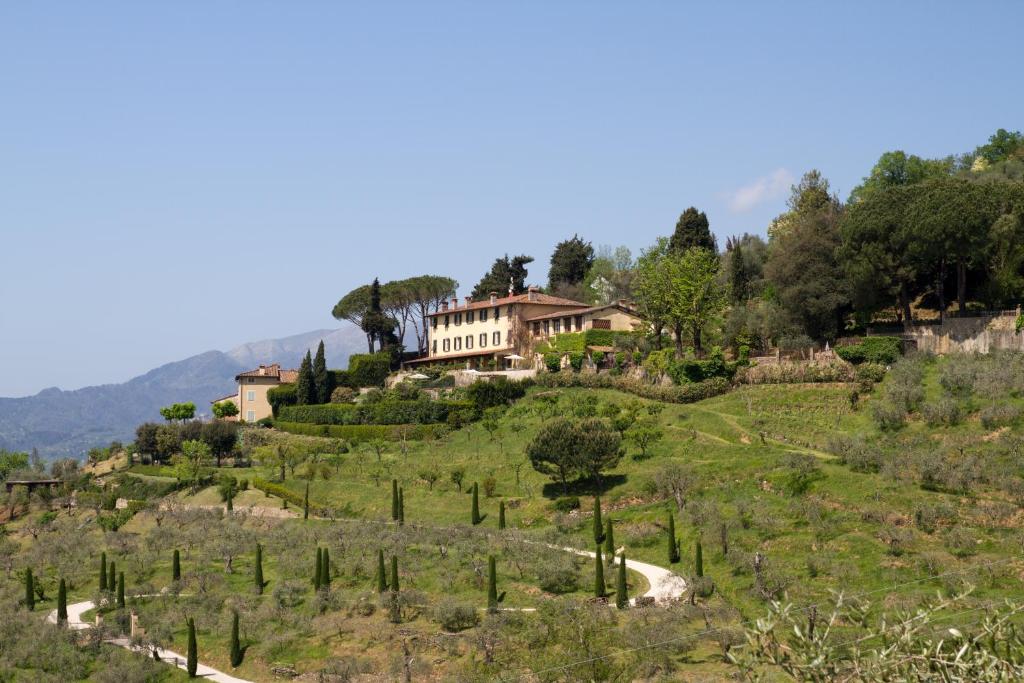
x,y
67,423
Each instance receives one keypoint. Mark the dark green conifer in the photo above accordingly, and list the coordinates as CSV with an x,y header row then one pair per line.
x,y
30,591
258,572
382,582
475,513
609,540
325,575
394,575
492,584
120,590
698,561
673,544
600,589
236,646
305,503
192,656
305,391
621,595
321,377
598,523
103,571
112,576
176,566
62,602
501,514
394,500
318,569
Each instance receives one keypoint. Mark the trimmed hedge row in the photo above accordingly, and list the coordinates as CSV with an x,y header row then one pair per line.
x,y
384,413
690,392
789,372
359,433
293,497
881,350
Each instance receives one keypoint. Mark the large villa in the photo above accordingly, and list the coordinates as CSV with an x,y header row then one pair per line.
x,y
477,332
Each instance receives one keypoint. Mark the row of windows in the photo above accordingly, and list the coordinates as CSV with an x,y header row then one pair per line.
x,y
555,326
448,319
447,344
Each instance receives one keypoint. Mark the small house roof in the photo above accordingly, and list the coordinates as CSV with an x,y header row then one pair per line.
x,y
538,298
584,311
272,371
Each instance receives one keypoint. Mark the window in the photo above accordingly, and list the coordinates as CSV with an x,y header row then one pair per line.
x,y
469,317
458,343
547,327
483,315
508,310
446,321
601,324
434,347
568,325
446,345
579,323
251,380
469,341
483,339
497,312
558,325
250,395
458,318
496,337
250,416
433,322
536,329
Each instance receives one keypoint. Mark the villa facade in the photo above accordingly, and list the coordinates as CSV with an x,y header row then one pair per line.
x,y
253,385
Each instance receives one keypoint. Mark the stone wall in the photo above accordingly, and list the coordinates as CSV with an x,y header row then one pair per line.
x,y
969,335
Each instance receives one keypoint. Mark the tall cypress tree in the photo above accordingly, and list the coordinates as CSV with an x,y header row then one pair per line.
x,y
176,566
325,574
698,560
401,506
258,573
305,391
30,591
609,540
492,584
62,602
120,590
236,646
673,544
321,378
621,595
112,576
598,524
305,503
475,513
382,582
501,514
192,656
394,500
103,571
600,590
318,570
394,575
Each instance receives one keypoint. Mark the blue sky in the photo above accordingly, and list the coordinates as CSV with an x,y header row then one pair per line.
x,y
184,176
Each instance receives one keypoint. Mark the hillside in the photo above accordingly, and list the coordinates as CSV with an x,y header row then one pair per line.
x,y
67,423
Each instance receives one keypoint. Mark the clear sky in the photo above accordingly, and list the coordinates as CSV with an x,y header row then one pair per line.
x,y
183,176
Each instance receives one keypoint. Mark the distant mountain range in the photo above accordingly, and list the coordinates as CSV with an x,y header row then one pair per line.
x,y
68,423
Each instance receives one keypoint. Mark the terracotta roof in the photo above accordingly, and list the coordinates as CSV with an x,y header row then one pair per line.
x,y
583,311
538,298
232,397
272,371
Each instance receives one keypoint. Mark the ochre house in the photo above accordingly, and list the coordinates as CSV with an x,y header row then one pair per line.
x,y
476,332
251,397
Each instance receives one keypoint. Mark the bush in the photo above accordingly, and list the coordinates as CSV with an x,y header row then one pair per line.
x,y
688,393
620,359
567,504
343,395
958,375
598,358
361,433
557,573
456,615
870,372
594,337
576,360
888,415
280,396
961,542
881,350
386,412
570,342
699,370
494,393
945,411
368,369
553,361
999,415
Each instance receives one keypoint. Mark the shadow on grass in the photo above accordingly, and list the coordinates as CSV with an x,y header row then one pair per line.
x,y
583,487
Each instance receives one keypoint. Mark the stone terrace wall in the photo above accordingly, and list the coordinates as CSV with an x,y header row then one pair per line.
x,y
969,335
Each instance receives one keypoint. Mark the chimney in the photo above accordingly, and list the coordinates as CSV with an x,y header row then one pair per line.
x,y
444,305
455,302
469,300
531,293
494,297
624,303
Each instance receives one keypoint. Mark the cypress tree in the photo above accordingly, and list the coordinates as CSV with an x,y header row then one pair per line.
x,y
609,540
176,566
305,503
382,582
258,574
62,602
501,514
598,524
192,656
319,569
112,576
394,500
394,574
698,561
321,377
120,590
236,646
673,545
30,591
401,507
475,514
103,571
325,574
599,585
621,595
230,500
305,392
492,584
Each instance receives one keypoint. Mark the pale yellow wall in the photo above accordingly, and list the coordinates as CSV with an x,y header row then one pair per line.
x,y
621,322
258,404
476,328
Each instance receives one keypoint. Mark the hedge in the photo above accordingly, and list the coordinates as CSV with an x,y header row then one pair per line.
x,y
293,497
686,393
388,412
496,392
282,395
790,372
368,369
881,350
700,370
359,433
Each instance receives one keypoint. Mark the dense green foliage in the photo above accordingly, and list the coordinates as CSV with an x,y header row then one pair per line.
x,y
389,412
880,350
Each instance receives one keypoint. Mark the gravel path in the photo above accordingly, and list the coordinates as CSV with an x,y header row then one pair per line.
x,y
664,584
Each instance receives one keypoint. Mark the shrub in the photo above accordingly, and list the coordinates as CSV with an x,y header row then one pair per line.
x,y
490,486
961,542
456,615
343,395
496,392
881,350
999,415
928,517
958,375
904,386
597,357
553,362
280,396
576,360
620,359
870,372
945,411
368,369
567,504
888,415
570,342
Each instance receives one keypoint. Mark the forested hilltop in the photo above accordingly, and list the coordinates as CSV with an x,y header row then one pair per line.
x,y
747,486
